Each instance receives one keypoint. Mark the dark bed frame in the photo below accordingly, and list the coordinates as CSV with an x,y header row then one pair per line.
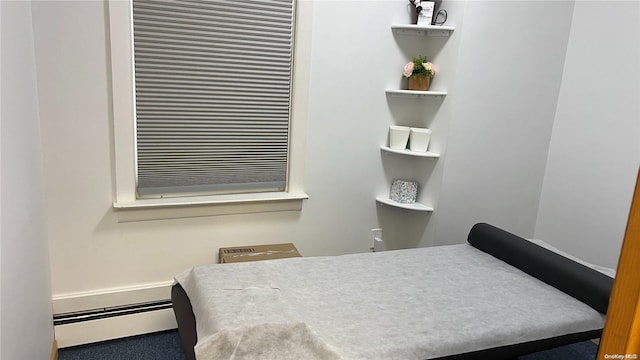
x,y
583,283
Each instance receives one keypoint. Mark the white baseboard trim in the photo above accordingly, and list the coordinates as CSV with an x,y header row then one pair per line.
x,y
114,328
84,332
105,298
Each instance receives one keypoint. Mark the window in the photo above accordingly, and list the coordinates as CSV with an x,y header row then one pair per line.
x,y
212,83
218,108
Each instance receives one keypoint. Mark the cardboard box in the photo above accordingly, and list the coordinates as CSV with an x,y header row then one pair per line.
x,y
258,252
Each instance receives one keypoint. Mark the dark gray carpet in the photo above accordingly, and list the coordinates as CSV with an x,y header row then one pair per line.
x,y
157,346
166,346
585,350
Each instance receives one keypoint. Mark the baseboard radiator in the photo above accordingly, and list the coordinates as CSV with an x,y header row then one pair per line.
x,y
104,313
83,318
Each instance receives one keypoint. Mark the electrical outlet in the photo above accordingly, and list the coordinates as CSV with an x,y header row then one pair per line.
x,y
376,236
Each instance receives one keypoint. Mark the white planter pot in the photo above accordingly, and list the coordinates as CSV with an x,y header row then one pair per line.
x,y
398,136
419,139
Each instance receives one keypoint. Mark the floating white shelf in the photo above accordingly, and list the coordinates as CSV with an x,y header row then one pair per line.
x,y
415,93
414,207
427,154
430,30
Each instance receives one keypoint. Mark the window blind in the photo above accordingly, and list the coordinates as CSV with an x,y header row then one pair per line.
x,y
212,85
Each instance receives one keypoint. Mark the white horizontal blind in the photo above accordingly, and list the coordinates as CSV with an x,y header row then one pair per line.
x,y
212,82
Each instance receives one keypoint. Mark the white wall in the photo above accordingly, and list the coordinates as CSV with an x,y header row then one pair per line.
x,y
26,328
90,250
501,67
509,69
595,152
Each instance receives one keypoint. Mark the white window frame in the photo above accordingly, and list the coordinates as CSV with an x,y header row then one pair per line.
x,y
132,208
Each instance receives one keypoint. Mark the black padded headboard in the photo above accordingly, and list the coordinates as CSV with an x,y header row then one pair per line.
x,y
583,283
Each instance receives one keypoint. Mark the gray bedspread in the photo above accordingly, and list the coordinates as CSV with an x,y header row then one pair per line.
x,y
406,304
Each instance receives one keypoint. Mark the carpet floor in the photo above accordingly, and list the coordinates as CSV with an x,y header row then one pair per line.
x,y
157,346
166,346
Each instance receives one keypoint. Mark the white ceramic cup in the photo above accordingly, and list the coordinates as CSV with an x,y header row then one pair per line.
x,y
419,139
398,136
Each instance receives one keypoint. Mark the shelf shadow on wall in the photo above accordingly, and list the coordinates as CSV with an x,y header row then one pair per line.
x,y
402,229
416,112
407,167
417,45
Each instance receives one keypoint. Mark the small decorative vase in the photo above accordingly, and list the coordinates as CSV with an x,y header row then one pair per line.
x,y
419,83
414,15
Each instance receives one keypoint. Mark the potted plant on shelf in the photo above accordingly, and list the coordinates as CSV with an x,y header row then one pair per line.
x,y
419,72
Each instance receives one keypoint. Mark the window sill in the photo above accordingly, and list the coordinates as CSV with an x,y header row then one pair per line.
x,y
196,206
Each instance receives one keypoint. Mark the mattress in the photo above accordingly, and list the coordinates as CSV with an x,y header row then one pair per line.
x,y
406,304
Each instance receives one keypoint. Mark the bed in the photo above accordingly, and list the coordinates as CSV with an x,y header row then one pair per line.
x,y
498,296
